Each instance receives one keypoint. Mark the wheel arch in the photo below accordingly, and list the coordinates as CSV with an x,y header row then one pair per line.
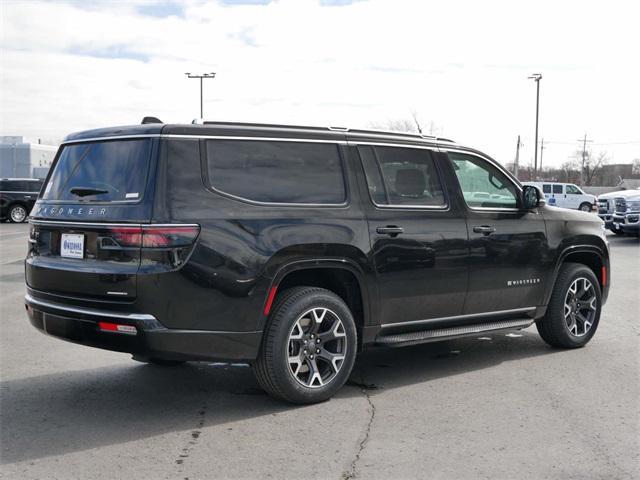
x,y
589,255
340,275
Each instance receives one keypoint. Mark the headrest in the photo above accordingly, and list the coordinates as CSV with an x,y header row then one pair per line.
x,y
410,182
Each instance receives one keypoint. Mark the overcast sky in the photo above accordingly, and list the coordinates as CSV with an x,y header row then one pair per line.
x,y
462,66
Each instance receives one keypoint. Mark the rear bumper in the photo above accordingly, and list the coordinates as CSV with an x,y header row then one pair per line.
x,y
151,339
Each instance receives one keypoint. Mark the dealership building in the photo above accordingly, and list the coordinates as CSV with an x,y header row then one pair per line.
x,y
20,159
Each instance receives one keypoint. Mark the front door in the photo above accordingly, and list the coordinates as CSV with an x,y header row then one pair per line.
x,y
508,246
418,239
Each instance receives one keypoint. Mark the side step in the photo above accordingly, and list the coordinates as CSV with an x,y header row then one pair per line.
x,y
402,339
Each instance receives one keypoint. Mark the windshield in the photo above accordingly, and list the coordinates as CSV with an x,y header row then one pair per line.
x,y
100,172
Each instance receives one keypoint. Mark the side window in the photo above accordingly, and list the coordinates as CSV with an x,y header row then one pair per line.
x,y
573,190
546,188
399,176
557,189
483,185
277,172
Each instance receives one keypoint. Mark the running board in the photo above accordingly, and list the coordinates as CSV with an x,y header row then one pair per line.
x,y
402,339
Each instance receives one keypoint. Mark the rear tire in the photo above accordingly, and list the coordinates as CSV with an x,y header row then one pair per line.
x,y
586,207
17,214
573,312
309,346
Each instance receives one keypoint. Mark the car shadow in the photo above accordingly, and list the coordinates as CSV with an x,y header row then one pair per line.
x,y
73,411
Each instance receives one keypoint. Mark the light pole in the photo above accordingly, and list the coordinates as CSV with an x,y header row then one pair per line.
x,y
201,77
536,77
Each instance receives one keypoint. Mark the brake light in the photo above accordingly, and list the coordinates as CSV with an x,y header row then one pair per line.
x,y
169,236
152,236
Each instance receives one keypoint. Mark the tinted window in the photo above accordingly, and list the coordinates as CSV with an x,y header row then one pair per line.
x,y
573,190
557,189
101,171
31,186
409,175
277,172
483,185
546,188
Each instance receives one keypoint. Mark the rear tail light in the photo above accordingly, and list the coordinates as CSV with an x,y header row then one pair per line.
x,y
163,247
156,236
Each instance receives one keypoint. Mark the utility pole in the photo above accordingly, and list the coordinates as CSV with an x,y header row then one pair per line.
x,y
541,152
201,77
584,157
516,164
536,77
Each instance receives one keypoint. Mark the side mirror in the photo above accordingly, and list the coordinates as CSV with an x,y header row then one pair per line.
x,y
532,197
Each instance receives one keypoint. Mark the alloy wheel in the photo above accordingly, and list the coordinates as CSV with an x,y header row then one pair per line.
x,y
18,214
580,306
317,347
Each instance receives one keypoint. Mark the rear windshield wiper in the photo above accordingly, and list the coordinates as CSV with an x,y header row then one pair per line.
x,y
87,191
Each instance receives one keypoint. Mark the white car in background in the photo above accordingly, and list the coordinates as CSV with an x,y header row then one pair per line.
x,y
565,195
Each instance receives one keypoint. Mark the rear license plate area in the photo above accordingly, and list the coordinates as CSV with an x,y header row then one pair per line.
x,y
72,245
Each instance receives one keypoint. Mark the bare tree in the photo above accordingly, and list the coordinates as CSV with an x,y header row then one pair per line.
x,y
396,125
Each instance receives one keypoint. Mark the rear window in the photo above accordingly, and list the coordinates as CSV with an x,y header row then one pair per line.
x,y
101,172
277,172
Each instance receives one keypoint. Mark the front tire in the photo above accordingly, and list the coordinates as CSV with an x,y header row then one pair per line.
x,y
17,214
309,346
573,312
586,207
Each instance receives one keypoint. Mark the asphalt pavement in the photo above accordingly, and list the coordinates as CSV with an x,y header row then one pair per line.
x,y
498,406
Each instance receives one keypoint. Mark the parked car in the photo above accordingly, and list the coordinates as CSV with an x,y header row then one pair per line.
x,y
626,214
17,197
566,195
295,248
607,207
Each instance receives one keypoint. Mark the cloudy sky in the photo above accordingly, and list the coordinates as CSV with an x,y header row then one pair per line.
x,y
461,66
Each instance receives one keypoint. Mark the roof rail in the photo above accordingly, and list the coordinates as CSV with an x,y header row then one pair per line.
x,y
329,128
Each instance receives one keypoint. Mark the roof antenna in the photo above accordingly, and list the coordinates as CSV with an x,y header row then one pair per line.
x,y
147,120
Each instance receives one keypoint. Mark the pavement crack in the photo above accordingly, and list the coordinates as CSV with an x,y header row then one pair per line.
x,y
352,472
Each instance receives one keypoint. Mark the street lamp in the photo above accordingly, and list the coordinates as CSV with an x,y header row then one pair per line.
x,y
201,77
536,77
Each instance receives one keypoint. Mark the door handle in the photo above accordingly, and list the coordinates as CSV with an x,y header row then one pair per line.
x,y
484,229
391,230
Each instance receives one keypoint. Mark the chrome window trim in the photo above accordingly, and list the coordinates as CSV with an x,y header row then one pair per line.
x,y
345,179
459,317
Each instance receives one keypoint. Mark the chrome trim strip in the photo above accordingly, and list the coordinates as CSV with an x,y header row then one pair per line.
x,y
87,311
401,138
355,143
107,224
460,317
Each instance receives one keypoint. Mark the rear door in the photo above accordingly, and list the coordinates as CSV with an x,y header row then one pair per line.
x,y
85,234
418,237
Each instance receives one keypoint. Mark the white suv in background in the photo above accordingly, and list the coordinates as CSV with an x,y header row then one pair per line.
x,y
565,195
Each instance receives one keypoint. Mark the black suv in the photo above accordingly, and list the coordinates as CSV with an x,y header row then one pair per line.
x,y
17,197
293,248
